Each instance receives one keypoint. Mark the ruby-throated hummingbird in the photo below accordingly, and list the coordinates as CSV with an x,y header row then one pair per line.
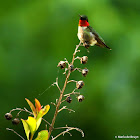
x,y
87,35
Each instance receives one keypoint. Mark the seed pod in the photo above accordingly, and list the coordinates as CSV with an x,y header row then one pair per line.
x,y
71,67
84,60
15,121
80,98
84,72
8,116
69,99
62,64
79,84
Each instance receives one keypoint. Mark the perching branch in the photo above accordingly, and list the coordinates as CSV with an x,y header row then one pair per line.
x,y
62,92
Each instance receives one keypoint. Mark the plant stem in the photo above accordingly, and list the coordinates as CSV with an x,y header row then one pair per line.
x,y
15,133
31,137
61,94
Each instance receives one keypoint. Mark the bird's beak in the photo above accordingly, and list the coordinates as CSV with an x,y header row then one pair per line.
x,y
79,15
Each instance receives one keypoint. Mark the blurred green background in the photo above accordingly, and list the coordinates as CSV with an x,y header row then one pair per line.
x,y
36,34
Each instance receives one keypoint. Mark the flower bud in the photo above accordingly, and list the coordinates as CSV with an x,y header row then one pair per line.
x,y
15,121
69,99
84,72
71,67
80,98
79,84
84,60
62,64
8,116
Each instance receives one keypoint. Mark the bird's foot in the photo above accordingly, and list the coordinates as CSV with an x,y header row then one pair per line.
x,y
86,45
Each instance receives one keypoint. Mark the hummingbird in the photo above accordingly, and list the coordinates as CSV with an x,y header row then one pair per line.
x,y
87,35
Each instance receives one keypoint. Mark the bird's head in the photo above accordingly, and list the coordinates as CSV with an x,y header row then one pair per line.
x,y
83,21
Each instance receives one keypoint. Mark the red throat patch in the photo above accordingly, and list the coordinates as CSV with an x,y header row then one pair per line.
x,y
83,23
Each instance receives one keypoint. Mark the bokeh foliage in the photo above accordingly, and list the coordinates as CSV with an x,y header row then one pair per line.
x,y
35,35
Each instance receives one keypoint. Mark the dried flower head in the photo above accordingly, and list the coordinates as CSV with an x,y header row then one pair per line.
x,y
62,64
15,121
69,99
79,84
80,98
71,67
84,60
85,72
8,116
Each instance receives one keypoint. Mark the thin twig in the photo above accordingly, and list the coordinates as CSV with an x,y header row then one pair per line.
x,y
78,69
53,104
46,121
66,69
72,93
66,61
78,58
67,130
15,133
25,110
65,107
71,81
61,93
20,109
68,133
19,113
63,101
56,83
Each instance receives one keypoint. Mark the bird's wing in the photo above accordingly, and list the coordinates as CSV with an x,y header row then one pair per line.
x,y
100,41
96,34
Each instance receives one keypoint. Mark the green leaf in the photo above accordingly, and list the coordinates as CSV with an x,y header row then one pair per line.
x,y
32,124
32,107
38,122
42,135
26,128
43,111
